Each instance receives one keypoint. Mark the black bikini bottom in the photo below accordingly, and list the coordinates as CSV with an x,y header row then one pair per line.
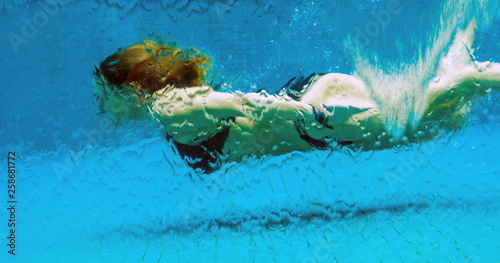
x,y
205,155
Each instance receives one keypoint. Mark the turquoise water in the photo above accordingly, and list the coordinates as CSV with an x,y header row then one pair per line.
x,y
87,192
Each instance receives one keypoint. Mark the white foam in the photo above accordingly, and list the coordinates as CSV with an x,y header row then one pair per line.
x,y
399,88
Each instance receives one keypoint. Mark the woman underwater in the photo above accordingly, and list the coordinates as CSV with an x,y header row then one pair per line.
x,y
148,81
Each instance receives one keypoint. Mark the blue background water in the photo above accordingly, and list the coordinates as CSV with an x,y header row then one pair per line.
x,y
87,193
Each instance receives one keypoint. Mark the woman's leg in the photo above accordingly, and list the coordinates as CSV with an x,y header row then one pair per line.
x,y
459,79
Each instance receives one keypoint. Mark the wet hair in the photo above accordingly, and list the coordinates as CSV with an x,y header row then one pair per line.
x,y
152,67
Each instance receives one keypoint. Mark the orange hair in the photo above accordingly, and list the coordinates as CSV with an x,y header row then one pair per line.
x,y
153,67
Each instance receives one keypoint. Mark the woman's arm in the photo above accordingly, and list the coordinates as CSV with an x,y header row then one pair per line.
x,y
195,114
192,115
265,107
